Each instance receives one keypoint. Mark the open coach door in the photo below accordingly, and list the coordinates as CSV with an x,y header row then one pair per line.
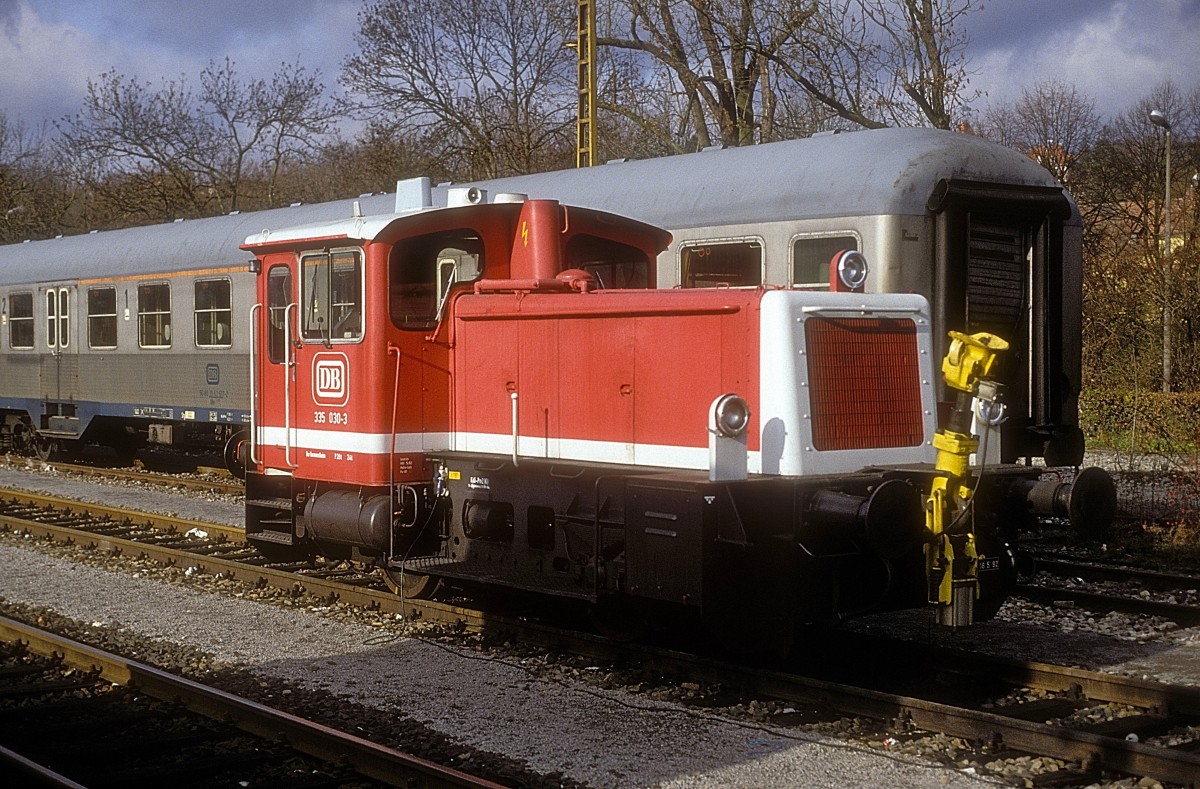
x,y
1006,256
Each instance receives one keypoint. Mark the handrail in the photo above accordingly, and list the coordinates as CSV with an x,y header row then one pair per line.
x,y
254,310
288,371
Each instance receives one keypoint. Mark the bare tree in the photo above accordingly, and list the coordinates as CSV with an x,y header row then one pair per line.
x,y
167,152
877,63
750,71
491,82
718,52
35,199
1052,123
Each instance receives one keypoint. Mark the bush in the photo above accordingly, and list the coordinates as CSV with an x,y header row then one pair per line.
x,y
1141,422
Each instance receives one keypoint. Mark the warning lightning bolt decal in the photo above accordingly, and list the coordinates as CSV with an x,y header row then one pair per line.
x,y
525,232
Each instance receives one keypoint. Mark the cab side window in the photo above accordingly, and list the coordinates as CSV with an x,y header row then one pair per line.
x,y
422,271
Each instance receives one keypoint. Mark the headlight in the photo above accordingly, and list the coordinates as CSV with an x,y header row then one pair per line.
x,y
731,415
848,271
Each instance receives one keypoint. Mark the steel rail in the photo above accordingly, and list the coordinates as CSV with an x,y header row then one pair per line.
x,y
323,588
1058,565
1181,614
1091,751
153,478
163,522
369,759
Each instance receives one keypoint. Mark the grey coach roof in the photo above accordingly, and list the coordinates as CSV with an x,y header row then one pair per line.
x,y
863,173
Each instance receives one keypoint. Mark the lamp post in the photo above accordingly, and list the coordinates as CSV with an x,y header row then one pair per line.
x,y
1159,118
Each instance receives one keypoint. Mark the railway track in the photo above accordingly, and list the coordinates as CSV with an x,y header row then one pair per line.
x,y
77,716
213,482
1058,724
1105,587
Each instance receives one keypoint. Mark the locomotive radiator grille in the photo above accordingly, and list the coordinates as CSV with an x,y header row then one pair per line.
x,y
864,383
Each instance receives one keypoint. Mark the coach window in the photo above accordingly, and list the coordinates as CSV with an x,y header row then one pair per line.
x,y
422,270
58,318
214,314
102,317
811,256
332,283
721,264
154,315
20,321
279,296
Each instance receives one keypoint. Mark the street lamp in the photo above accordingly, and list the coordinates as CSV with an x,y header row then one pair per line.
x,y
1159,118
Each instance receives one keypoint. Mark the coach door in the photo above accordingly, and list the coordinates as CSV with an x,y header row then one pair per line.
x,y
999,269
60,363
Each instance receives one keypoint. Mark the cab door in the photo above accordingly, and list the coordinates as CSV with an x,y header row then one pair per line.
x,y
273,398
330,368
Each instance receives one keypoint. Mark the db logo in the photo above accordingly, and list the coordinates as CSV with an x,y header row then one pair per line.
x,y
331,386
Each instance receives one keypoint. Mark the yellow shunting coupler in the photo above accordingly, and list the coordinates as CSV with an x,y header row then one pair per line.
x,y
950,557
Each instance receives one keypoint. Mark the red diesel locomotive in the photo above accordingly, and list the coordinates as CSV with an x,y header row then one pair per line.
x,y
494,392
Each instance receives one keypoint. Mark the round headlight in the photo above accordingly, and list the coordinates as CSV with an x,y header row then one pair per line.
x,y
850,269
731,414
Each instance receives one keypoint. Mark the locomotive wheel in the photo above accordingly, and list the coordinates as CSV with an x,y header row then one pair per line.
x,y
617,620
280,554
411,586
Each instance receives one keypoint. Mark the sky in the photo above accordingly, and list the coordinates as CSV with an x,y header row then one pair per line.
x,y
1113,51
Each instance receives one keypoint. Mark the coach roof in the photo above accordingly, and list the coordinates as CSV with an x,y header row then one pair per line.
x,y
863,173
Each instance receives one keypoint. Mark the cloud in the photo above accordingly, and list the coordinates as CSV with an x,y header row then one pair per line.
x,y
1113,52
52,48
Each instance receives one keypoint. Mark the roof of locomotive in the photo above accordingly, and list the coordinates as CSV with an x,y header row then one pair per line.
x,y
862,173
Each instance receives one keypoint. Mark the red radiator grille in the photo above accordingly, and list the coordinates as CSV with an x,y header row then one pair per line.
x,y
864,383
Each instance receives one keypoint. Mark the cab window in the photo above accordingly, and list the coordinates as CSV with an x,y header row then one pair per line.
x,y
279,296
811,256
331,283
730,264
423,270
613,264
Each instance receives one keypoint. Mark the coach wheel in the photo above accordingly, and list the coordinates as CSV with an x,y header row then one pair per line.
x,y
45,448
234,454
22,438
411,586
